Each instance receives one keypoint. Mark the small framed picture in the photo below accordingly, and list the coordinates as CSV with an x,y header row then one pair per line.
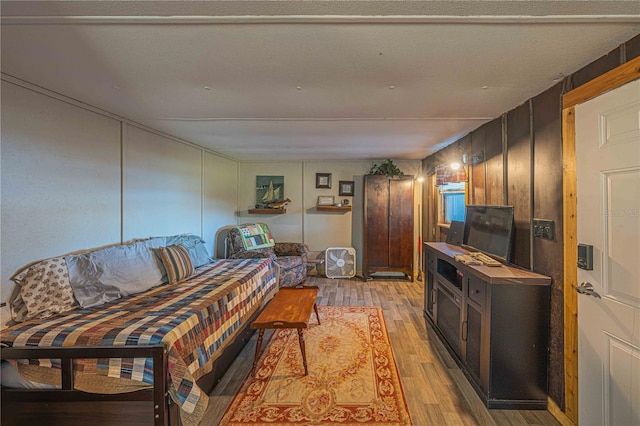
x,y
345,188
323,180
326,200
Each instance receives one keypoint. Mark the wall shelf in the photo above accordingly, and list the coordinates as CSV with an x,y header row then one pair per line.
x,y
333,208
267,211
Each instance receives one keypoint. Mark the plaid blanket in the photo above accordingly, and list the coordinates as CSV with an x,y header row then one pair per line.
x,y
193,319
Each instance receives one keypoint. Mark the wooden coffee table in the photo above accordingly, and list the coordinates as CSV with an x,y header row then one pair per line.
x,y
290,308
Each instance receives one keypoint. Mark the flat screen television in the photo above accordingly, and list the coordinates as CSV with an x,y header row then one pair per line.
x,y
489,229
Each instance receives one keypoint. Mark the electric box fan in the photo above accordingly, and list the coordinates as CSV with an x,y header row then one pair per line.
x,y
340,262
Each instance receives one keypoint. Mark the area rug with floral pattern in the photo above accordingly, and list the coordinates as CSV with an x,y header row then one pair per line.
x,y
352,380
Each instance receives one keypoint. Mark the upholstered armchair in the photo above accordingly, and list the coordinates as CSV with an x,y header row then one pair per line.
x,y
254,240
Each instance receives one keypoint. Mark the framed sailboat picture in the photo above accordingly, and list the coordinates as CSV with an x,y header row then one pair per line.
x,y
269,189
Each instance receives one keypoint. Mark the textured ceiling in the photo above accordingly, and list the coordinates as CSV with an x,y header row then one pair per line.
x,y
266,80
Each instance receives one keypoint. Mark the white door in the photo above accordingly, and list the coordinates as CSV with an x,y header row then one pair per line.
x,y
608,179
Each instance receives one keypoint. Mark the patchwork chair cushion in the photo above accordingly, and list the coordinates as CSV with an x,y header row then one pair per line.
x,y
291,257
255,236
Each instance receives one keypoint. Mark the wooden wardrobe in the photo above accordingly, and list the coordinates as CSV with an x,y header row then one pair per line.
x,y
388,225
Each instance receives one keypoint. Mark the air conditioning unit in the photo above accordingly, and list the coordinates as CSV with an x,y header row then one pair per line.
x,y
340,262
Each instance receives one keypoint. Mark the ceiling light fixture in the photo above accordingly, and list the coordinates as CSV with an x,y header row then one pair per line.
x,y
485,87
392,87
299,88
207,88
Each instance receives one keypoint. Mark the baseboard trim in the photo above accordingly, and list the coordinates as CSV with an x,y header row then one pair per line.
x,y
559,415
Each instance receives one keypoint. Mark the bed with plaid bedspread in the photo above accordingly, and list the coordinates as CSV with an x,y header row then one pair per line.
x,y
192,319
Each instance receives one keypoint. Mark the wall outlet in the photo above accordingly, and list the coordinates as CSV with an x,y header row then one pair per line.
x,y
543,228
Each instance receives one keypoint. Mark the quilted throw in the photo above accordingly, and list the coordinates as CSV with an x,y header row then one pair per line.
x,y
193,319
255,236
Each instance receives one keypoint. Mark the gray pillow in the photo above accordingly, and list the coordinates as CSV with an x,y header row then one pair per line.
x,y
104,275
194,245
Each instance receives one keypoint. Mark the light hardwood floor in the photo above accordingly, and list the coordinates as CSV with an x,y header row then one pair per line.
x,y
436,390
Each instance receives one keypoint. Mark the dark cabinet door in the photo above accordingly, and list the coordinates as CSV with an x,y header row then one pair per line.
x,y
448,317
376,221
388,225
400,222
429,294
475,330
429,283
473,339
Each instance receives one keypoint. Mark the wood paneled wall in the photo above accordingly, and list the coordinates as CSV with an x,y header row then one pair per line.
x,y
518,180
516,159
494,163
477,181
547,196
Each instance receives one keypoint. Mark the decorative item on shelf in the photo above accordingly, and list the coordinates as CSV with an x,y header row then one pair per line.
x,y
345,188
326,200
386,168
279,204
323,180
345,202
269,190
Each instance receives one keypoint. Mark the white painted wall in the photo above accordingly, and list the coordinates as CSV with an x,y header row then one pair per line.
x,y
162,188
71,180
220,198
60,179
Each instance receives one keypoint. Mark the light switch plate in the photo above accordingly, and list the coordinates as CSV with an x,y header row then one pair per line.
x,y
543,228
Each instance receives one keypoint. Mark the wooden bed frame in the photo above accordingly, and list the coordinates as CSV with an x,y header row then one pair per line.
x,y
67,406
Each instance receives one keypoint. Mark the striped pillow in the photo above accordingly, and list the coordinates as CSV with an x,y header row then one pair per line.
x,y
177,262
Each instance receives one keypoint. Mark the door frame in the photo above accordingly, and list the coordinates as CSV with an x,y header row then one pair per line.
x,y
617,77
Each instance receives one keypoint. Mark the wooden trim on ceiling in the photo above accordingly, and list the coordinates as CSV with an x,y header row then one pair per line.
x,y
617,77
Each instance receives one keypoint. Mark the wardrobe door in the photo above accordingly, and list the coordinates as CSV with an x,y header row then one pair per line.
x,y
401,225
388,225
376,222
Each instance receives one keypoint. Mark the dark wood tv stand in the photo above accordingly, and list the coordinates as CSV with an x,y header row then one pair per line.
x,y
495,323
